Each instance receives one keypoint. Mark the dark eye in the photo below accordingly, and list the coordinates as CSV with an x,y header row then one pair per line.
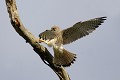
x,y
53,29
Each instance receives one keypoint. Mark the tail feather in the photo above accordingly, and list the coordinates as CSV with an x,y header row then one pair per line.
x,y
63,58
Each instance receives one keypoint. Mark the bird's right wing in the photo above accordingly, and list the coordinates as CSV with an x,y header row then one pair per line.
x,y
81,29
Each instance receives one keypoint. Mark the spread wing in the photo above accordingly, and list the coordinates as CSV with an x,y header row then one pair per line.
x,y
47,35
81,29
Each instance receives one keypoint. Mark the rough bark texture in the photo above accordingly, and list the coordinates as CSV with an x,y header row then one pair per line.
x,y
45,55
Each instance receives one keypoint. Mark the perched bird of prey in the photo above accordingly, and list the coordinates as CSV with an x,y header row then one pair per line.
x,y
56,38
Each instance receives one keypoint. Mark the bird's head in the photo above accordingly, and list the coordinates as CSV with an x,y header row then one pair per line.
x,y
55,29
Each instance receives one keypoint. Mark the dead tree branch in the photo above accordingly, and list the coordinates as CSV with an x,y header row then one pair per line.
x,y
32,40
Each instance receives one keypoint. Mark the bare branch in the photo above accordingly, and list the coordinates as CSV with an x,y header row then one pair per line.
x,y
45,55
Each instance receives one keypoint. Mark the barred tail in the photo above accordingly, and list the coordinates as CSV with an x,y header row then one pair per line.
x,y
63,57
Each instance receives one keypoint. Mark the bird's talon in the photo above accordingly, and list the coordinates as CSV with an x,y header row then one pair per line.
x,y
40,40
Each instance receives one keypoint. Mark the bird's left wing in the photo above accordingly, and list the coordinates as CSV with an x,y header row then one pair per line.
x,y
47,35
81,29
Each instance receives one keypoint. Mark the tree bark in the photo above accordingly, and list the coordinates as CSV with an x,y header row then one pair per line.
x,y
42,51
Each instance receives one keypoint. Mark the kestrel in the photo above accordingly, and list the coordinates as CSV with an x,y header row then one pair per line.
x,y
56,38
